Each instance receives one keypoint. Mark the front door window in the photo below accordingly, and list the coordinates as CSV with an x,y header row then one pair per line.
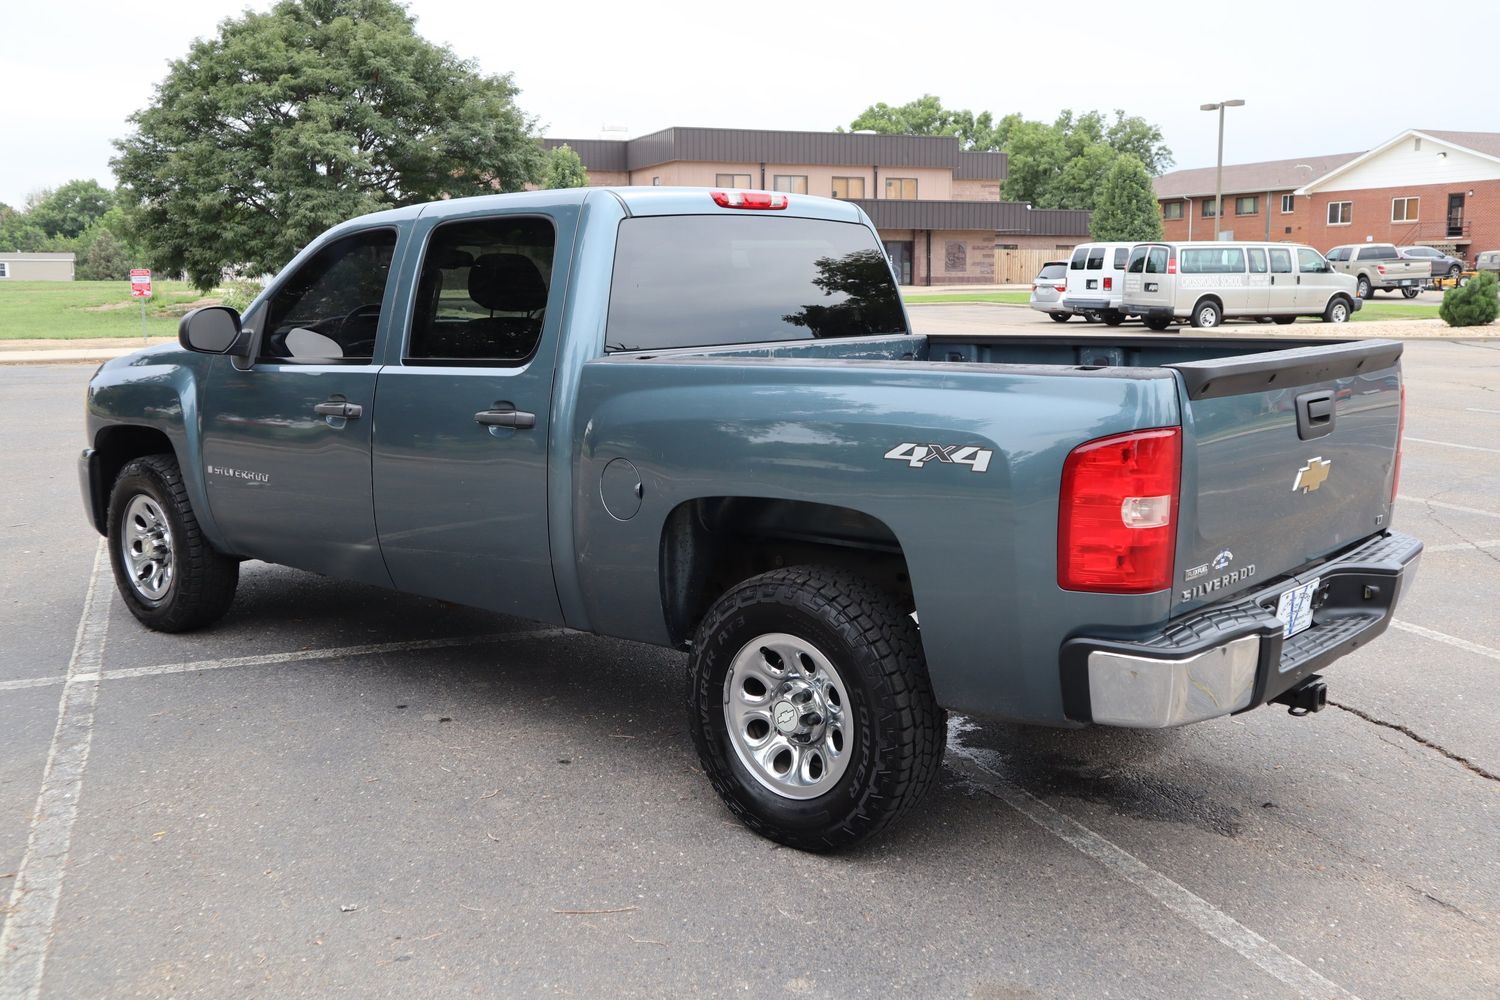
x,y
329,309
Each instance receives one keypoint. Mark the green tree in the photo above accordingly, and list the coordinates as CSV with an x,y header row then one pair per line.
x,y
565,169
290,121
18,234
72,208
1127,209
1474,304
103,259
927,116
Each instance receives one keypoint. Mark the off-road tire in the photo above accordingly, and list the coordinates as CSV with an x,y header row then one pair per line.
x,y
899,731
203,581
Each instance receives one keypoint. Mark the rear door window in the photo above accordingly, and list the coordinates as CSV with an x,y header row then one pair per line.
x,y
1079,256
1137,262
1156,261
1096,259
1257,258
705,280
1281,261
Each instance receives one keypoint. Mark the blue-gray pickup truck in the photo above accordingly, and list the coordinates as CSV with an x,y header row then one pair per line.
x,y
700,419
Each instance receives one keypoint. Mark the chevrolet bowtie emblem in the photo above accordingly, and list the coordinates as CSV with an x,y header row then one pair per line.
x,y
1312,475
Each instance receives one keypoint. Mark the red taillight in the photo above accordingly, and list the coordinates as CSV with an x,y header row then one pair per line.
x,y
1400,433
1171,265
1059,288
749,199
1109,283
1117,513
1380,268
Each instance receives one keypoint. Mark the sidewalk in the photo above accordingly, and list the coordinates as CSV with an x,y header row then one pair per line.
x,y
72,352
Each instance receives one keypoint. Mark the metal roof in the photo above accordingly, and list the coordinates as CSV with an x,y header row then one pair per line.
x,y
999,216
726,145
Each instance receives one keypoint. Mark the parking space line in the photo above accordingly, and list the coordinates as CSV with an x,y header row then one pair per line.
x,y
1449,506
297,656
1488,543
1190,907
38,882
1479,409
1444,637
1451,444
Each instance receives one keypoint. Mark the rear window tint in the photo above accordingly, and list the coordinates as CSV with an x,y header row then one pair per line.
x,y
1212,260
1377,253
1156,261
1121,253
1079,256
1096,259
1137,260
704,280
1054,271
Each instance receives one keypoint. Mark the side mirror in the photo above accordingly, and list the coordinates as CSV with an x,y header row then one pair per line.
x,y
210,330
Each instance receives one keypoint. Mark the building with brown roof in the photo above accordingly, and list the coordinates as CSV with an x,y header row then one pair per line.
x,y
1422,188
937,206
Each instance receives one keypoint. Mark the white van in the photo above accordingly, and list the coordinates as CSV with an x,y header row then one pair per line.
x,y
1207,283
1096,281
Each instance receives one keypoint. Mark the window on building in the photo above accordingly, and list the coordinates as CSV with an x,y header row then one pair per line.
x,y
1288,204
790,183
4,269
732,180
901,188
848,187
1209,208
1404,209
1247,205
1340,213
1171,210
656,182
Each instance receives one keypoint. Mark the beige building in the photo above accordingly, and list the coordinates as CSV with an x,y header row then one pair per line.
x,y
937,206
36,266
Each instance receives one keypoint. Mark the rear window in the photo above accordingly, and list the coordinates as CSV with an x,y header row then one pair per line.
x,y
1156,261
1137,260
706,280
1121,253
1215,260
1056,271
1096,259
1078,257
1377,253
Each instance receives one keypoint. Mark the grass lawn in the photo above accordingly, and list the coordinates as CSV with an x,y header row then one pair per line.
x,y
1375,311
1004,298
71,310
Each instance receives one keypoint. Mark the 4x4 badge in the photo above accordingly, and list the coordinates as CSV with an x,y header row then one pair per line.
x,y
1312,475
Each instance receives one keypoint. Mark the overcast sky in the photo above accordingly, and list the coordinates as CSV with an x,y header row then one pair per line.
x,y
1314,78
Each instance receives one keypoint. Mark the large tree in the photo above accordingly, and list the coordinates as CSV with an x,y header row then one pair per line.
x,y
1126,210
290,121
1057,165
70,209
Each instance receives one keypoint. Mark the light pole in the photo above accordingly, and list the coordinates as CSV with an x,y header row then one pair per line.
x,y
1219,170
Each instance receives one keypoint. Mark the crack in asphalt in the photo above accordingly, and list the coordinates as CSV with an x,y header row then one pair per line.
x,y
1432,513
1407,731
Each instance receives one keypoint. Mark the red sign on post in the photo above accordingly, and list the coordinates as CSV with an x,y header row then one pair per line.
x,y
140,283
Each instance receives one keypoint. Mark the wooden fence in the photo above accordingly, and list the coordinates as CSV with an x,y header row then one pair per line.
x,y
1018,267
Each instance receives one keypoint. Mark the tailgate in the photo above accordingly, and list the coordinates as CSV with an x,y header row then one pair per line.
x,y
1288,457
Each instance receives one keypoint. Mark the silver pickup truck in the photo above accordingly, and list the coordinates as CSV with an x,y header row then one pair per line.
x,y
1380,266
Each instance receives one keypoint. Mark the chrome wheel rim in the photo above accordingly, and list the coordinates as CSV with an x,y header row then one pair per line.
x,y
146,544
1208,316
786,709
1340,312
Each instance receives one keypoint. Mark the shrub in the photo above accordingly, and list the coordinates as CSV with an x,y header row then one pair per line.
x,y
1474,304
238,294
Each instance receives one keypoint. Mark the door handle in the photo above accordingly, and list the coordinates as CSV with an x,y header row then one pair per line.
x,y
506,416
338,408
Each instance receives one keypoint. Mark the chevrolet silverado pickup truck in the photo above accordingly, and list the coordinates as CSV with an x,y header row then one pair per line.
x,y
1379,266
701,419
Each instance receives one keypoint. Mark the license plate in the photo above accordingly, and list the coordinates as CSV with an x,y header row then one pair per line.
x,y
1408,281
1092,283
1294,608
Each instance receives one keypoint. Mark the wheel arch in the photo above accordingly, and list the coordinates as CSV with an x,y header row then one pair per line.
x,y
1207,297
708,544
114,447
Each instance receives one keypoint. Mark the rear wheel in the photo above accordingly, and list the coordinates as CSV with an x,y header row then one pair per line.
x,y
1207,314
1409,293
1455,272
1157,323
1060,317
1091,316
1337,311
1283,320
171,579
810,707
1113,317
1363,288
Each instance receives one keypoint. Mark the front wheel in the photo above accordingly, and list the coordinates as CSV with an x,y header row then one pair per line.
x,y
1455,272
1113,317
1409,293
1337,311
1363,288
1283,320
1207,315
811,709
1060,317
171,579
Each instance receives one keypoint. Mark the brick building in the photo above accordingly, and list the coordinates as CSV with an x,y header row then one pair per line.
x,y
937,206
1422,188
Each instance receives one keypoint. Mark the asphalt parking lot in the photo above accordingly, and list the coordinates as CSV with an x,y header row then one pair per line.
x,y
339,791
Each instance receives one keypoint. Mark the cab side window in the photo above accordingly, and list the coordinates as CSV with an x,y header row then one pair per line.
x,y
1281,261
1257,258
328,311
482,294
1311,262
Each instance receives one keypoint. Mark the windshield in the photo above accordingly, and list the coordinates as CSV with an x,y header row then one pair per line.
x,y
706,280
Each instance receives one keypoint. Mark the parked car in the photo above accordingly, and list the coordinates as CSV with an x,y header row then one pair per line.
x,y
1489,260
1047,290
1442,265
700,419
1096,281
1207,283
1378,266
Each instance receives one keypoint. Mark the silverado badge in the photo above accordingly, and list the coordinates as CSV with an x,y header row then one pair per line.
x,y
1312,475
